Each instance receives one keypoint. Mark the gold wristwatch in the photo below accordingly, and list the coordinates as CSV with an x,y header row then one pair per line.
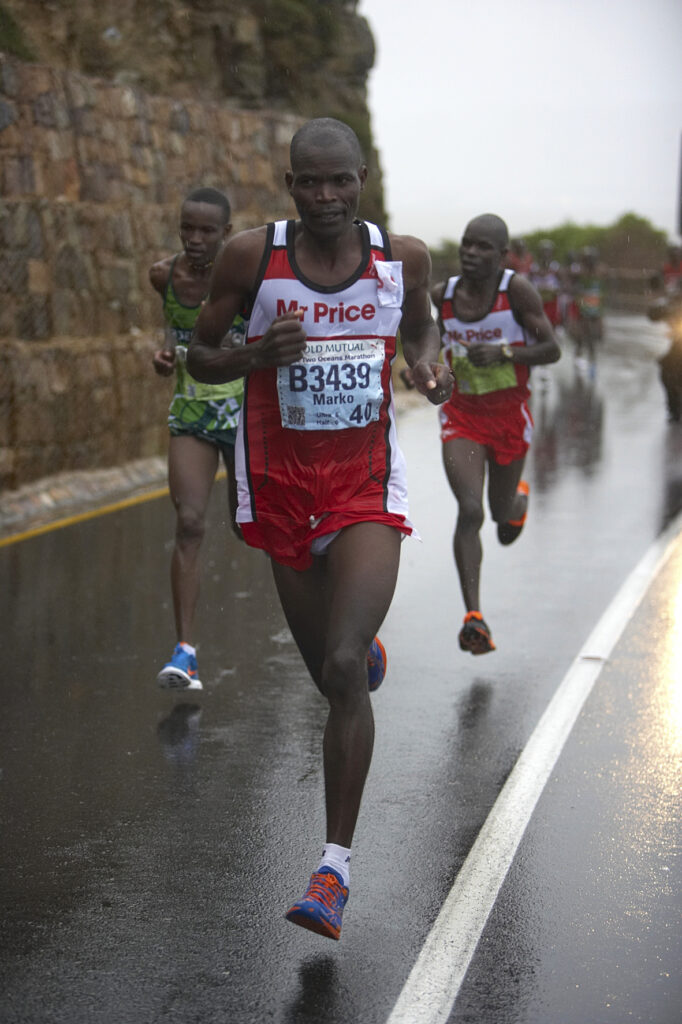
x,y
506,350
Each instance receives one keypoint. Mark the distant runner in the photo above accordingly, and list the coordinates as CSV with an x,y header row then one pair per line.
x,y
544,276
569,274
494,330
589,300
202,419
518,258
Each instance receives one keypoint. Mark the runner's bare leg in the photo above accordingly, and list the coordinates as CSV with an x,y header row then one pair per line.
x,y
334,610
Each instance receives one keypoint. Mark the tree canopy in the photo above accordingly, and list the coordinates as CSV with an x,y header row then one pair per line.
x,y
631,242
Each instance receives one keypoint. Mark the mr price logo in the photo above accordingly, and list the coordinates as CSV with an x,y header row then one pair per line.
x,y
323,313
472,335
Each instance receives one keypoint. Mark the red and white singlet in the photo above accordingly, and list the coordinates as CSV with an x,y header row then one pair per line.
x,y
316,446
488,403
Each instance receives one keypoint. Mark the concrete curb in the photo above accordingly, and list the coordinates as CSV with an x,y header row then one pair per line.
x,y
57,497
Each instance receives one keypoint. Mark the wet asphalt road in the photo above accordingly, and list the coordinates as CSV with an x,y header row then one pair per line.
x,y
151,843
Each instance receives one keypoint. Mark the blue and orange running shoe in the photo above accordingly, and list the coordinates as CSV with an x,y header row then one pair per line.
x,y
376,664
181,672
321,907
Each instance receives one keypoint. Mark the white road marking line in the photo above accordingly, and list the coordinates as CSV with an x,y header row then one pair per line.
x,y
429,993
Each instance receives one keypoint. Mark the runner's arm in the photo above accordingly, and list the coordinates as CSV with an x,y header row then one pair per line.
x,y
159,273
527,305
212,357
437,293
418,330
163,358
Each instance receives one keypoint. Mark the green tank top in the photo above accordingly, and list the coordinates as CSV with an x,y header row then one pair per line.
x,y
181,320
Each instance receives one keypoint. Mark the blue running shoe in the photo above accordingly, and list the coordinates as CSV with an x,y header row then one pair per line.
x,y
181,672
376,664
321,908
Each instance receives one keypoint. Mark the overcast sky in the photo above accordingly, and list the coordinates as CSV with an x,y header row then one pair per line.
x,y
538,110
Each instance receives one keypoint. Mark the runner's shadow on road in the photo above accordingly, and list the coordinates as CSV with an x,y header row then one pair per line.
x,y
318,993
178,733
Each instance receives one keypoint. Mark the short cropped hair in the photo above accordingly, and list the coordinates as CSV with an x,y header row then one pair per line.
x,y
213,197
494,226
325,130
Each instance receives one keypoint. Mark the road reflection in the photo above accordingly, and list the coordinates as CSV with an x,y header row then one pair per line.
x,y
569,425
178,734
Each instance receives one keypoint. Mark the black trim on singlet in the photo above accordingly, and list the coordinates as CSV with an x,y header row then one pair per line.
x,y
515,313
387,243
262,267
490,307
328,289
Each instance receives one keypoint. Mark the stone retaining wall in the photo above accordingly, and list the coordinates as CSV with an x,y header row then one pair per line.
x,y
72,404
91,178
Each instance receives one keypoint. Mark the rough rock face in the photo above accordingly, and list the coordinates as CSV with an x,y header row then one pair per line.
x,y
307,57
248,51
109,113
91,176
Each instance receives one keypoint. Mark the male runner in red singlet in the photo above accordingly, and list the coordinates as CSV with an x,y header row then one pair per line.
x,y
321,477
494,330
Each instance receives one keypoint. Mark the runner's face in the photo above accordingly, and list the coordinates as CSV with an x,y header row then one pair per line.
x,y
479,254
325,185
202,232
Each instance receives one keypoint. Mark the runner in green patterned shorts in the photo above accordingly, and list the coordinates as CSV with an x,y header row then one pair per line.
x,y
202,418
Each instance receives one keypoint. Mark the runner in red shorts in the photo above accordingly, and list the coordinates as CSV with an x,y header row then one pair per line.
x,y
494,330
321,477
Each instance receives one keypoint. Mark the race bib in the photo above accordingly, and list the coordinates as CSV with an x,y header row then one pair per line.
x,y
335,386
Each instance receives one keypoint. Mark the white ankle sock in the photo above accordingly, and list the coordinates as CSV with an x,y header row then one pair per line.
x,y
337,857
188,648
